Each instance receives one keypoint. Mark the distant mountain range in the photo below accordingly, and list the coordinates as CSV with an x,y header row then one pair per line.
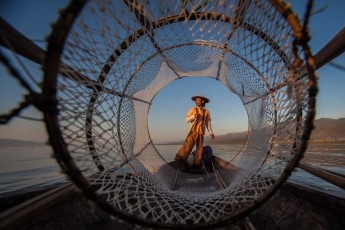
x,y
326,129
19,143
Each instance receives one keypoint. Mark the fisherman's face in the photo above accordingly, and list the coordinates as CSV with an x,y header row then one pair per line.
x,y
199,101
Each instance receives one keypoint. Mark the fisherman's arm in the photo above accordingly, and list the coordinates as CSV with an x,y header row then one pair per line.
x,y
209,127
191,116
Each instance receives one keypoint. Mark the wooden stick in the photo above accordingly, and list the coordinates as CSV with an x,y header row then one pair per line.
x,y
327,176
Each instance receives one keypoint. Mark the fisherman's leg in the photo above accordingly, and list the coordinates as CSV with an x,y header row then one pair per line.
x,y
198,152
186,148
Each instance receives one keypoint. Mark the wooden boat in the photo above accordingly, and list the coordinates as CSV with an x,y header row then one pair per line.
x,y
293,206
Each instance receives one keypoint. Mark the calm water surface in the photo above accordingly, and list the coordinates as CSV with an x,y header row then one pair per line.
x,y
24,169
28,168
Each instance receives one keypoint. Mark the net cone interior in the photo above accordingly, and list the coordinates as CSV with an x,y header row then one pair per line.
x,y
117,55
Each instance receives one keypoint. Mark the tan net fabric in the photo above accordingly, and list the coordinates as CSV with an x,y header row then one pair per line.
x,y
118,55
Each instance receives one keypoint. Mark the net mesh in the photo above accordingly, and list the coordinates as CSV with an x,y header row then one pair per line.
x,y
118,55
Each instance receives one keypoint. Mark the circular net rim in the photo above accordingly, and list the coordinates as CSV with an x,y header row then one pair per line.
x,y
55,48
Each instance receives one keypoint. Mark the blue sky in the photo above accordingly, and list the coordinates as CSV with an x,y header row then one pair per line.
x,y
166,119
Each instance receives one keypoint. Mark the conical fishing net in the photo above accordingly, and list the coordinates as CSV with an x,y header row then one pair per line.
x,y
108,59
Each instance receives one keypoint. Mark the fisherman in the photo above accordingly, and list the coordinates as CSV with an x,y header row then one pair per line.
x,y
199,117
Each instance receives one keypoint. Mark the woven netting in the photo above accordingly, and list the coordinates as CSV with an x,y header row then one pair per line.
x,y
107,60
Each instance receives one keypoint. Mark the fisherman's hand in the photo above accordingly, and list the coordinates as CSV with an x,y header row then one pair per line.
x,y
212,136
195,116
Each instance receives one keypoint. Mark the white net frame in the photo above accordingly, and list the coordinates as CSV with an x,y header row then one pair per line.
x,y
107,60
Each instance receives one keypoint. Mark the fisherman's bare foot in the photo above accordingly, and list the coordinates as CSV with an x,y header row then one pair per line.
x,y
181,164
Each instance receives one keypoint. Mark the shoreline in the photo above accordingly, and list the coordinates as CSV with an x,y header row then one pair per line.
x,y
243,142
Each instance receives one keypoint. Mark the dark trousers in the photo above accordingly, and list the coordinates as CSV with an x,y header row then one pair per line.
x,y
187,147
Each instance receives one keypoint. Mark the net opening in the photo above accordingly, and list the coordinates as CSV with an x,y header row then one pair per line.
x,y
117,55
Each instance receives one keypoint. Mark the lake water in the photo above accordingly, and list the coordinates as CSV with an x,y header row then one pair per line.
x,y
24,169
